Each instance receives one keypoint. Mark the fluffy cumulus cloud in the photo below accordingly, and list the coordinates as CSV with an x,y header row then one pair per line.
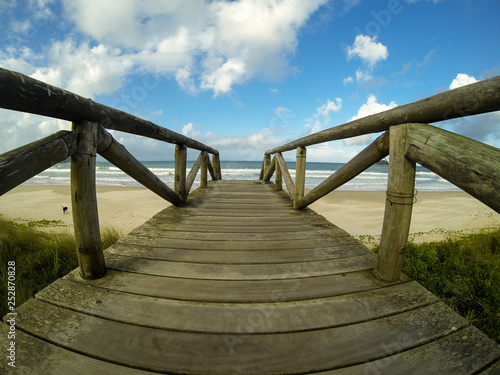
x,y
462,80
368,50
203,45
371,107
322,115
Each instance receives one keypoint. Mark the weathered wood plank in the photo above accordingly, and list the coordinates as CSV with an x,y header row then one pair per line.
x,y
35,356
274,271
241,245
464,352
157,233
20,164
202,290
186,352
238,317
237,256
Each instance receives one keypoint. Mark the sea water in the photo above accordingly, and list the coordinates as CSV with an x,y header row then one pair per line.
x,y
373,179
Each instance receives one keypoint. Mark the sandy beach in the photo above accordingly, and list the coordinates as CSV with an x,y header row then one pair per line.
x,y
436,215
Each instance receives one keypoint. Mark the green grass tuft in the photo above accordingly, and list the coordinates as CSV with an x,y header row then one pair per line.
x,y
464,273
41,258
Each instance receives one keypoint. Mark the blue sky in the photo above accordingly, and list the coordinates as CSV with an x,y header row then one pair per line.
x,y
245,76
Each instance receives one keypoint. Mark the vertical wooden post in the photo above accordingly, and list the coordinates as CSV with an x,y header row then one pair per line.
x,y
398,207
84,202
180,170
279,177
204,171
216,166
265,165
300,174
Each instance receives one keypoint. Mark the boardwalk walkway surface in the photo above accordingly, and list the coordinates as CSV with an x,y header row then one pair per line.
x,y
239,282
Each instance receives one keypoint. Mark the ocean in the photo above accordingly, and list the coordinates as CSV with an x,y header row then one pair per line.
x,y
373,179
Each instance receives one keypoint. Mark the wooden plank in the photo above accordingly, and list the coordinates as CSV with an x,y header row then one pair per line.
x,y
317,243
158,233
494,369
298,289
464,352
285,353
237,317
237,256
35,356
274,271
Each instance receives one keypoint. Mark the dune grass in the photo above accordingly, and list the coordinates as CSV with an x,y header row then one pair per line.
x,y
40,258
464,273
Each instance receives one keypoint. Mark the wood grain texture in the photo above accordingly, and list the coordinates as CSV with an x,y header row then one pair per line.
x,y
239,293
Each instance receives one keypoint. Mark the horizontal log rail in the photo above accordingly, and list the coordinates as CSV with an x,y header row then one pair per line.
x,y
407,139
474,99
88,138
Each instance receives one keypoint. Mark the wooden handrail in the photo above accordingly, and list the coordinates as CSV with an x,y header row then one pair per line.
x,y
473,99
19,92
22,93
468,164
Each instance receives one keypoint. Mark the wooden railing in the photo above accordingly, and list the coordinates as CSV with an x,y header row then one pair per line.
x,y
408,139
88,138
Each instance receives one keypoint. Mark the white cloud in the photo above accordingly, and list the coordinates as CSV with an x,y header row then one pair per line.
x,y
368,50
322,115
462,80
189,130
347,80
204,45
371,107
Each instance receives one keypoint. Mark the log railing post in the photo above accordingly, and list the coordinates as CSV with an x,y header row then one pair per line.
x,y
180,170
265,165
84,202
279,177
216,166
398,207
204,171
300,174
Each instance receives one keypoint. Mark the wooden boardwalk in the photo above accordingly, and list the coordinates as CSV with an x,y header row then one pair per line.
x,y
238,282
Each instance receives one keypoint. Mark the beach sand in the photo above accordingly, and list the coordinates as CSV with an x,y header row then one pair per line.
x,y
436,215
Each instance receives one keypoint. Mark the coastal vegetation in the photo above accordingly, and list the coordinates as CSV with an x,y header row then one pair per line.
x,y
464,273
40,258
